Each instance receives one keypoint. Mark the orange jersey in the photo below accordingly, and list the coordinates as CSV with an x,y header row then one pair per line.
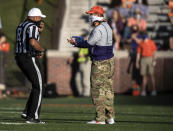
x,y
146,48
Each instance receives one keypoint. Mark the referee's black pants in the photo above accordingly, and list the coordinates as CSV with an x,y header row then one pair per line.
x,y
31,68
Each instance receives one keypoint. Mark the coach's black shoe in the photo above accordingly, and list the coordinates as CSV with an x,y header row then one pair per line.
x,y
24,115
34,121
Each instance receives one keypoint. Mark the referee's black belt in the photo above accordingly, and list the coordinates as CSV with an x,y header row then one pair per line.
x,y
26,54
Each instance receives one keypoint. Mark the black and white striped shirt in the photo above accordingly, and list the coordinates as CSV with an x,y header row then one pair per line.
x,y
25,31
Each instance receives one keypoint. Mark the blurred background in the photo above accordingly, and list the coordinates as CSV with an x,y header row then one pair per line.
x,y
67,18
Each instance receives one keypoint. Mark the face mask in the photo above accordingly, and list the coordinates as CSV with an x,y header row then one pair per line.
x,y
93,18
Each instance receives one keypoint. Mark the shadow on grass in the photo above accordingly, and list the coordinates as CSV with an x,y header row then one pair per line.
x,y
161,99
12,119
10,110
117,122
144,115
145,122
65,120
60,112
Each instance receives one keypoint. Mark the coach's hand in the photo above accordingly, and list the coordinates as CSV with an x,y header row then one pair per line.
x,y
71,41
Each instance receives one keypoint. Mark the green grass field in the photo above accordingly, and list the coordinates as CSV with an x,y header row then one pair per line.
x,y
71,114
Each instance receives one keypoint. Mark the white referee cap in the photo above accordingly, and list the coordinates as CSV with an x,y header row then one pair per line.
x,y
36,12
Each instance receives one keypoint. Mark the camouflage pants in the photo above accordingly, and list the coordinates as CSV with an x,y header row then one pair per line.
x,y
102,93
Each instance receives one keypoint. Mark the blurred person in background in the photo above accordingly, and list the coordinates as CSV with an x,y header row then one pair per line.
x,y
113,5
102,70
171,34
83,75
28,51
142,5
170,15
2,69
146,54
171,42
117,28
4,49
124,11
137,20
134,41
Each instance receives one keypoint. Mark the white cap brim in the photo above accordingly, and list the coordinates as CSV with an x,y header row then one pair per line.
x,y
43,16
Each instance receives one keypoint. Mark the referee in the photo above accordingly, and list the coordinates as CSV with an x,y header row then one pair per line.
x,y
28,50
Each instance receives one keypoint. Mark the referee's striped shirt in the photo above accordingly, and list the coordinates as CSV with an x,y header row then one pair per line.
x,y
25,31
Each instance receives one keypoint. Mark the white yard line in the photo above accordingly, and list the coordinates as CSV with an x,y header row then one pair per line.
x,y
2,112
7,108
11,123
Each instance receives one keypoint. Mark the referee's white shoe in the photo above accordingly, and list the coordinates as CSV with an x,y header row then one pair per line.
x,y
34,121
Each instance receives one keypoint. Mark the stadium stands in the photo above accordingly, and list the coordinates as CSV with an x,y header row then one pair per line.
x,y
159,25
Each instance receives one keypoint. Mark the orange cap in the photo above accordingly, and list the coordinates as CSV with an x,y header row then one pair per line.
x,y
96,9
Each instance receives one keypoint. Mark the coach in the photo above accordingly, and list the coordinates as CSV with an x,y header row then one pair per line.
x,y
102,70
28,50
